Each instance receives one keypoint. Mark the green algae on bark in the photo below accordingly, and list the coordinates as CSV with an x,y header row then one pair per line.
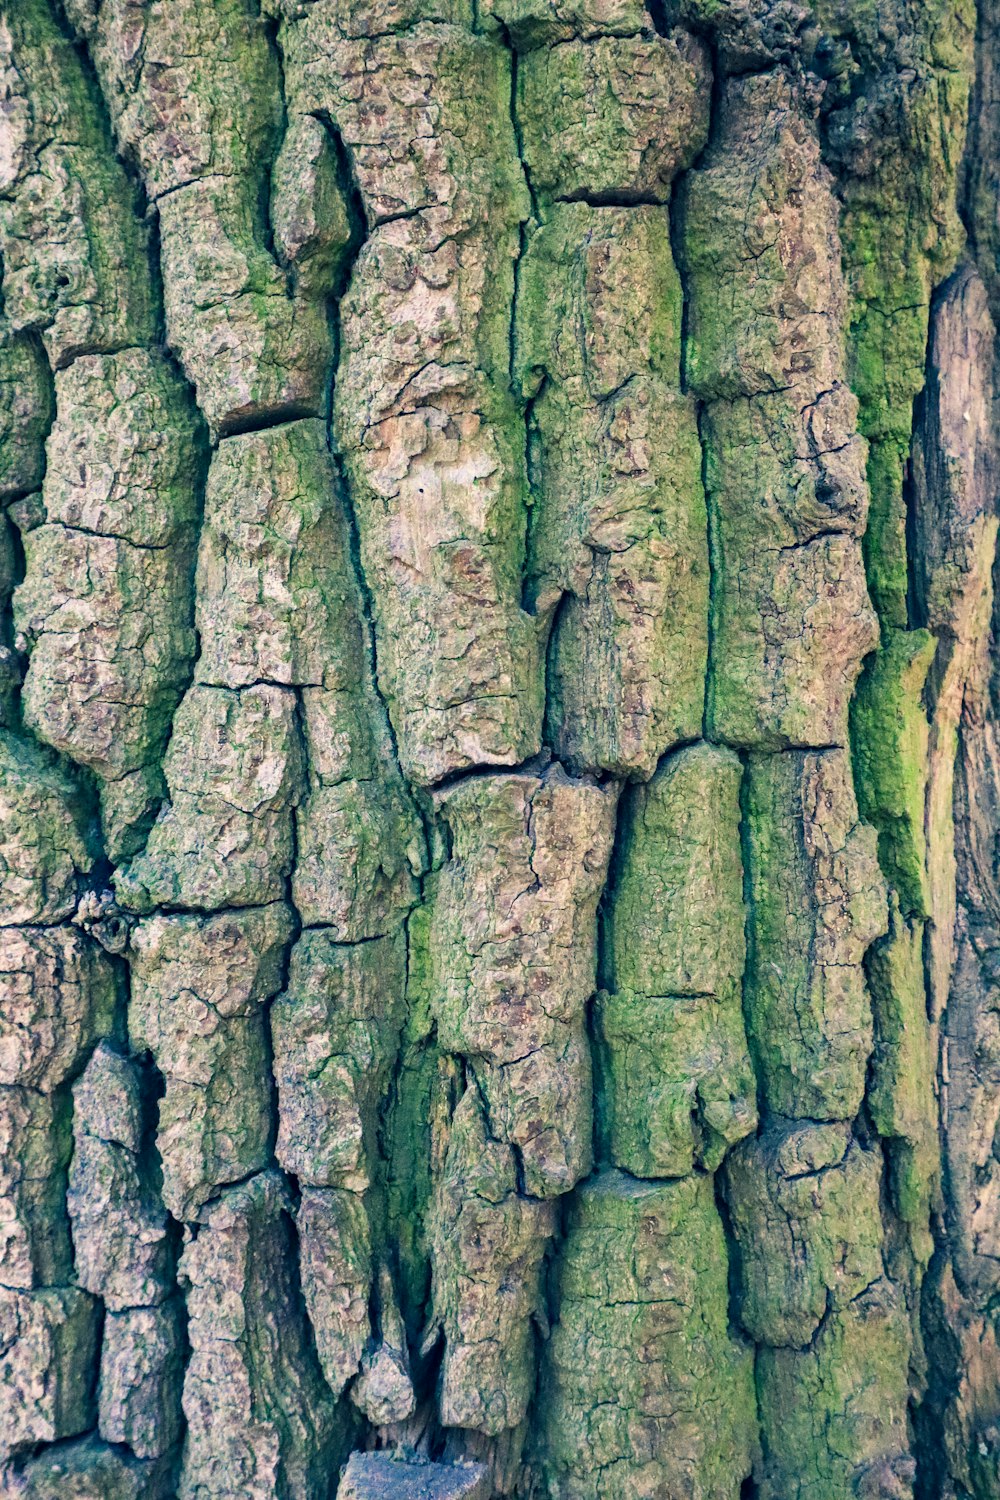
x,y
644,1267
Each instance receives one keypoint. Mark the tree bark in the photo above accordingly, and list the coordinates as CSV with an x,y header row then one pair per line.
x,y
499,750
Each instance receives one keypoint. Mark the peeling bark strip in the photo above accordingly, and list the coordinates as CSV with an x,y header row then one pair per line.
x,y
499,750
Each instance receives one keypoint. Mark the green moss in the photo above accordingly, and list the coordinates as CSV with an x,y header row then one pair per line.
x,y
26,410
901,1091
817,903
74,244
48,840
618,529
837,1409
675,919
617,114
420,1102
644,1390
901,236
580,272
889,733
885,539
678,1086
804,1206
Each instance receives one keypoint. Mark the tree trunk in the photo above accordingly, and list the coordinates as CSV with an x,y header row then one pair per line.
x,y
500,765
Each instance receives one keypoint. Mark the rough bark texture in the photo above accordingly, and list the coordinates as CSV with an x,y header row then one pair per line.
x,y
499,750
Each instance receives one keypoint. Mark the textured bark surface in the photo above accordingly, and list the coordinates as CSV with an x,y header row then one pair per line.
x,y
499,750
